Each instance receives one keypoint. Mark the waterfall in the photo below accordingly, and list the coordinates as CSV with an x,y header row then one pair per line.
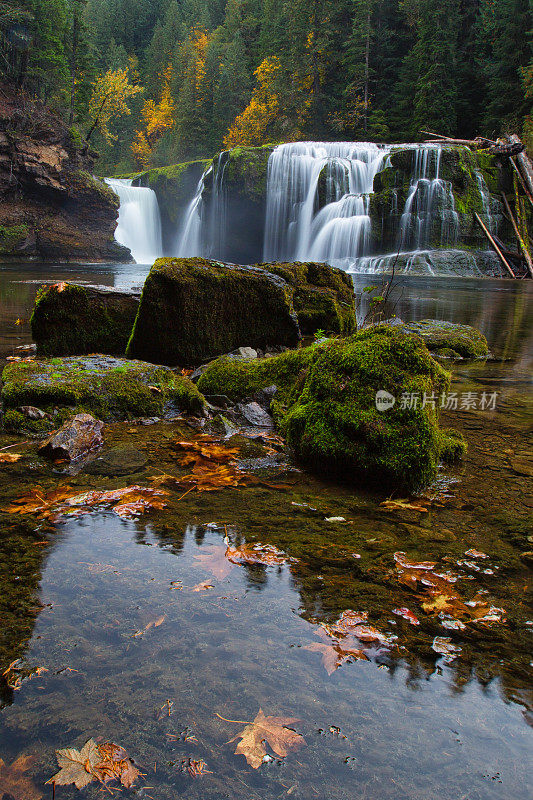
x,y
139,222
487,215
189,241
429,200
317,201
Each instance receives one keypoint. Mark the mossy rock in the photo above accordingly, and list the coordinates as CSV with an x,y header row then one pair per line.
x,y
447,337
109,388
335,427
193,309
453,446
239,380
73,320
324,296
13,238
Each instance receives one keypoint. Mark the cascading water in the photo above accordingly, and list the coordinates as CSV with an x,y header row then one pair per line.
x,y
139,222
203,230
317,200
429,200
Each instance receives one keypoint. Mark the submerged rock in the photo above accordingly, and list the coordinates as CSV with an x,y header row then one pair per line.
x,y
193,309
450,338
255,415
111,388
72,320
326,405
121,460
324,296
75,439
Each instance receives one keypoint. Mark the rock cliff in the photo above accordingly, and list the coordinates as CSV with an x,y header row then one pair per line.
x,y
52,208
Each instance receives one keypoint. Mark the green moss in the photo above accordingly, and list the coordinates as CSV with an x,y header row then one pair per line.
x,y
15,421
334,426
323,298
193,309
94,384
444,336
11,237
73,320
241,379
452,445
246,169
78,142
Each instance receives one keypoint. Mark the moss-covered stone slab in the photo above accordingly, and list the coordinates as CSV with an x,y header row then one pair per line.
x,y
324,298
69,319
193,309
450,338
336,428
110,388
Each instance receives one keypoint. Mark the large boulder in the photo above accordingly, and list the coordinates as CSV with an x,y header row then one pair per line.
x,y
77,438
324,298
450,338
110,388
193,309
328,405
73,320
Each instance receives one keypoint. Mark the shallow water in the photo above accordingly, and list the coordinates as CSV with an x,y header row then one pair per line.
x,y
77,596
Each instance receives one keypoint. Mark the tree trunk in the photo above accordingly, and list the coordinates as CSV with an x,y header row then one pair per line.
x,y
519,238
524,163
495,246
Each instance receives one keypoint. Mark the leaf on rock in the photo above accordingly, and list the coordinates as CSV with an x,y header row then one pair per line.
x,y
444,647
115,764
475,554
15,783
402,561
273,730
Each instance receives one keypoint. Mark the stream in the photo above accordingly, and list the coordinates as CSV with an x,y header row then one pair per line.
x,y
143,631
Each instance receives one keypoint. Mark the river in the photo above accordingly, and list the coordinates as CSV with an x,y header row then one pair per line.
x,y
147,634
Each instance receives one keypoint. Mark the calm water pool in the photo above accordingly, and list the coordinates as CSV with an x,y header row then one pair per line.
x,y
81,599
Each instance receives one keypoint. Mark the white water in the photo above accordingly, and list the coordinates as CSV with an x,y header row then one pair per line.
x,y
296,228
139,222
203,230
429,199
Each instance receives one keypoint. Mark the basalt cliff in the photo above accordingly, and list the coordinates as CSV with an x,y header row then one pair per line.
x,y
51,206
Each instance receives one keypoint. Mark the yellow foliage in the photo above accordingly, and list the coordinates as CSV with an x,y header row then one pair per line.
x,y
200,41
156,119
109,97
250,127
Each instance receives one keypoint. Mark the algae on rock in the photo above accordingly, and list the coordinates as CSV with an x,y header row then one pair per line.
x,y
110,388
324,297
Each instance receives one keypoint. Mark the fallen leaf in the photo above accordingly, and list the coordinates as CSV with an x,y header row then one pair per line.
x,y
60,503
444,647
202,587
194,768
14,783
274,730
105,762
347,622
444,603
257,554
404,505
9,458
403,561
77,766
475,554
406,614
337,652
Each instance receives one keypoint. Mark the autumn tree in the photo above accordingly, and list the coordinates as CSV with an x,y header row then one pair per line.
x,y
109,101
250,127
157,118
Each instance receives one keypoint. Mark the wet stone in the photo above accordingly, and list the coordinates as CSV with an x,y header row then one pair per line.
x,y
75,439
124,460
255,415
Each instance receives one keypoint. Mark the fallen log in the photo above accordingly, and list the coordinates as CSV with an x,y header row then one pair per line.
x,y
524,163
519,238
495,246
497,148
